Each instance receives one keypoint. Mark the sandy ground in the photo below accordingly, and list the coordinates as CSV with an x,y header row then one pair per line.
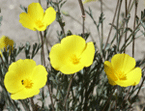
x,y
10,10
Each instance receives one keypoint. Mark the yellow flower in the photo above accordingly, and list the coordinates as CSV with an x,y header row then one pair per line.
x,y
122,71
5,42
72,54
36,19
24,79
86,1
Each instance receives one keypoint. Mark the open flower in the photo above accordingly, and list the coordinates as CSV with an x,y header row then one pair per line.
x,y
24,79
36,19
5,42
72,54
122,71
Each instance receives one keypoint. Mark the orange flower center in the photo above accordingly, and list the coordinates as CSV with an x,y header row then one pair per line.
x,y
27,83
39,23
75,59
121,75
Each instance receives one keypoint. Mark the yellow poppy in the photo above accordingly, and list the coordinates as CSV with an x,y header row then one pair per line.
x,y
5,42
122,71
24,79
72,54
36,19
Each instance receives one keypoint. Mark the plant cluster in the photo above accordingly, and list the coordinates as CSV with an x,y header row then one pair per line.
x,y
80,75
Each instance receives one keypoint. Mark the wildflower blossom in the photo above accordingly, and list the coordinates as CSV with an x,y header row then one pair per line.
x,y
72,54
24,79
86,1
5,42
122,71
36,19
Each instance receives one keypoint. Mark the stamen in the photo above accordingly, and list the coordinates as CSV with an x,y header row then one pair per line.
x,y
27,83
39,23
75,59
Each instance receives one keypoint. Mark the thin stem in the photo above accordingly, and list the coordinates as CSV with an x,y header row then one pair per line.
x,y
3,62
43,61
126,96
83,15
101,25
32,103
43,56
26,107
118,25
133,43
129,4
112,24
60,19
109,99
126,23
68,90
140,86
52,104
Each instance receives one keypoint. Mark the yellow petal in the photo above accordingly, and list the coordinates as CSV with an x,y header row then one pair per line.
x,y
132,78
135,75
61,54
88,54
12,82
39,76
35,11
25,93
60,60
73,45
26,21
19,71
23,67
50,16
110,71
123,63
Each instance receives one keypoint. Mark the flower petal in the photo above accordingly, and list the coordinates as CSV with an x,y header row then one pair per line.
x,y
133,78
12,82
49,16
35,11
26,21
39,76
23,67
73,45
88,54
25,93
60,54
59,60
109,71
18,71
123,62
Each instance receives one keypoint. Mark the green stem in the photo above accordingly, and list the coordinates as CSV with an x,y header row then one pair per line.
x,y
109,99
83,15
68,90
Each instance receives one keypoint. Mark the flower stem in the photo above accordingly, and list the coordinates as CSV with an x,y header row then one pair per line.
x,y
32,103
52,104
109,98
112,24
43,62
83,15
68,90
42,52
133,43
